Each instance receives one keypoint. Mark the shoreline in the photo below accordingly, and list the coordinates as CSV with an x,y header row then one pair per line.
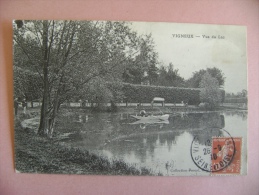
x,y
35,154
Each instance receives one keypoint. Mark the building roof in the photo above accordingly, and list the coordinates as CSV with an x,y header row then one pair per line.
x,y
158,99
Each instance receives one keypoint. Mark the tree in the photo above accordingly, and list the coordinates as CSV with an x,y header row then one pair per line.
x,y
27,84
152,74
197,76
143,66
170,77
210,93
244,93
69,55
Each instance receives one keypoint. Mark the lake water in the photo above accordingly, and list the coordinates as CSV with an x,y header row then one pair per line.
x,y
163,146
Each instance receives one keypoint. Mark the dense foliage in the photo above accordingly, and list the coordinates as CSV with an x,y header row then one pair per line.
x,y
197,76
210,92
143,68
145,94
169,76
27,84
71,57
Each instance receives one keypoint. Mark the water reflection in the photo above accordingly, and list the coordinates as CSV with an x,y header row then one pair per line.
x,y
82,118
162,146
241,114
97,129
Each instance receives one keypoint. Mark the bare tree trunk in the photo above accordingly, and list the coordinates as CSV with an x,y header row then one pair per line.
x,y
44,119
52,121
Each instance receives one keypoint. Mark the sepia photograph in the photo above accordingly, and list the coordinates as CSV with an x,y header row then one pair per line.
x,y
129,98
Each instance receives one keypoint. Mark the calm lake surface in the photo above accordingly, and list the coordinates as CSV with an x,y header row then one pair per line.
x,y
163,147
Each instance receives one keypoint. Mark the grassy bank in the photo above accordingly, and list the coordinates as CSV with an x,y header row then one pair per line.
x,y
35,154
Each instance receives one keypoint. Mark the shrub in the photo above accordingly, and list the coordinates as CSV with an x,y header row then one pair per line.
x,y
210,93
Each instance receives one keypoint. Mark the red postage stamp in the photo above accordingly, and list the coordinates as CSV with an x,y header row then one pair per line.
x,y
226,152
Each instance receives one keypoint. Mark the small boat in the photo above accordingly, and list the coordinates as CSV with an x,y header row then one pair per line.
x,y
152,117
150,122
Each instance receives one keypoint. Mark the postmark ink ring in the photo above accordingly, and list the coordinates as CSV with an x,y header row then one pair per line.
x,y
213,153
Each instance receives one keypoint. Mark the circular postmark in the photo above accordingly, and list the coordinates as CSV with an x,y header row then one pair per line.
x,y
213,150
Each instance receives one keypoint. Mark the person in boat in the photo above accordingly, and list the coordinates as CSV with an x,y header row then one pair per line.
x,y
143,113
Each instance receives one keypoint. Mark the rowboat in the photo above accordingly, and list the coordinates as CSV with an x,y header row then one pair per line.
x,y
152,117
150,122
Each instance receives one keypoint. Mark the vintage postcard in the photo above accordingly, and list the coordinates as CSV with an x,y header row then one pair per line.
x,y
130,98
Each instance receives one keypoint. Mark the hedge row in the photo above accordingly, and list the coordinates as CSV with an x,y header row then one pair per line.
x,y
236,100
145,94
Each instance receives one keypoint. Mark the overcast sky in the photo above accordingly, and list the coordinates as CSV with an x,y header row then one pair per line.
x,y
192,54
